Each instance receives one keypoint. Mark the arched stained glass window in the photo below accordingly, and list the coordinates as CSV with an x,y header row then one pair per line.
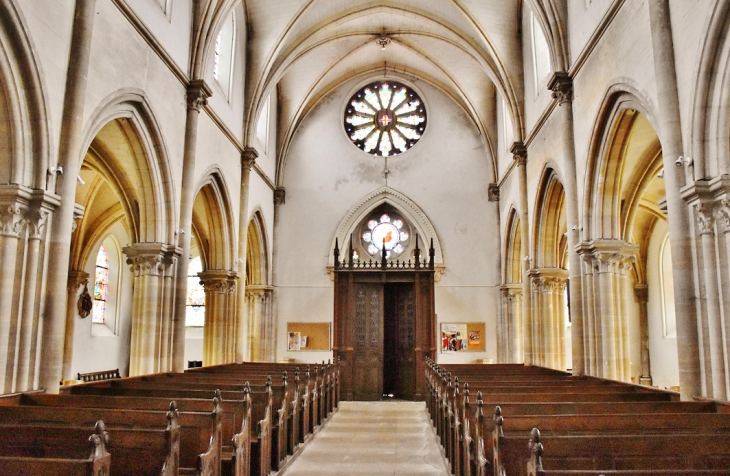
x,y
101,286
385,118
223,55
195,311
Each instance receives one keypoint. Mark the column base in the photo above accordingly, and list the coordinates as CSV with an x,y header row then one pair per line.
x,y
645,381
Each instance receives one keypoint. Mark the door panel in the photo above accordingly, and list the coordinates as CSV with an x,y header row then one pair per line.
x,y
368,342
399,376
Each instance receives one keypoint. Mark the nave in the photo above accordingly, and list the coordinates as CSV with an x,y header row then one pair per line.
x,y
367,438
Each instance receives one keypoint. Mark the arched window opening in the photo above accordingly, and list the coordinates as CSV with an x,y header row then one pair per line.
x,y
195,311
101,286
540,54
262,127
223,55
669,320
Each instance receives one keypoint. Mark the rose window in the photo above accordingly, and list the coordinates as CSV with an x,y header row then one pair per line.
x,y
385,118
385,234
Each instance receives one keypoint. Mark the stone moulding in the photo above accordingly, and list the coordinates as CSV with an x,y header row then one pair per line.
x,y
412,212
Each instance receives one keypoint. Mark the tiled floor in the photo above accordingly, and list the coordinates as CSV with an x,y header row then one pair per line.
x,y
373,438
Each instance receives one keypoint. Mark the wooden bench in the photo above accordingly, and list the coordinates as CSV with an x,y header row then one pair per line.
x,y
479,444
49,451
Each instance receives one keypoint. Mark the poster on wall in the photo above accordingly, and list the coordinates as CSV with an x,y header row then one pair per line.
x,y
294,341
466,336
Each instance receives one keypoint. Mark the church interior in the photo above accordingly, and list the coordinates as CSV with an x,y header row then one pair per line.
x,y
384,188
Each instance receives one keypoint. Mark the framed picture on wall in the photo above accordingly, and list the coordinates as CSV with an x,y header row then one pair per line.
x,y
462,336
294,341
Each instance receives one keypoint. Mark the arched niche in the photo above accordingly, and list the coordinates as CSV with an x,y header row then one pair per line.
x,y
409,211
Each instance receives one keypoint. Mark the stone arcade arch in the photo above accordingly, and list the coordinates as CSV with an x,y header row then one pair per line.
x,y
259,293
510,330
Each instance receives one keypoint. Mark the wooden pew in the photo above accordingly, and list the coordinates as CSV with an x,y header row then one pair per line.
x,y
467,441
66,451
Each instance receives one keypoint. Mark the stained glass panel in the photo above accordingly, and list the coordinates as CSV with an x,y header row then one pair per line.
x,y
101,286
385,118
195,310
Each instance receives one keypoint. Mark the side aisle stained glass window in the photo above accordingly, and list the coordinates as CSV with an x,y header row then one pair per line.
x,y
195,311
101,286
385,118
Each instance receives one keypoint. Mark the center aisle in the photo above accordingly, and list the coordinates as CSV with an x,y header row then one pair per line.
x,y
373,438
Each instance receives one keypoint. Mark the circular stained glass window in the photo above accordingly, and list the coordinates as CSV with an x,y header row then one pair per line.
x,y
385,118
385,233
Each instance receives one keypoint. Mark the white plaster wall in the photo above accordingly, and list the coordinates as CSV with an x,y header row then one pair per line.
x,y
193,344
94,353
662,350
171,28
446,174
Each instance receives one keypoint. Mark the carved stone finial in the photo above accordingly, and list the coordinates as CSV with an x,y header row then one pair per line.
x,y
561,84
197,94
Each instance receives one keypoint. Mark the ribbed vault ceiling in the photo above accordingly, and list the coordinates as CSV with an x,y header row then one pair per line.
x,y
469,49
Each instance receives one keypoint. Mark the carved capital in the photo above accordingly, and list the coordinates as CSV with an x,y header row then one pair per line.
x,y
13,217
279,196
561,84
76,279
605,261
248,158
197,94
214,281
705,220
519,153
145,259
37,220
723,215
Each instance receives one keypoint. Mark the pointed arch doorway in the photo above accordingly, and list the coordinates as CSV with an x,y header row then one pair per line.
x,y
384,327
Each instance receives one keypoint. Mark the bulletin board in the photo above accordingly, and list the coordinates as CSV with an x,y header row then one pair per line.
x,y
463,337
313,336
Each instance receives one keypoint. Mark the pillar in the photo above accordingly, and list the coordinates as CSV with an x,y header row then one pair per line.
x,y
519,152
146,262
712,325
75,279
679,225
14,205
562,87
641,291
216,285
243,349
604,263
197,97
69,152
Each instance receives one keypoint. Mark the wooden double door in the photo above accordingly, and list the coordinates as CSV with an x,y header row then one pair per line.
x,y
382,332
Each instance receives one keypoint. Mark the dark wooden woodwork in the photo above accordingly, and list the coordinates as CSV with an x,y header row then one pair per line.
x,y
384,327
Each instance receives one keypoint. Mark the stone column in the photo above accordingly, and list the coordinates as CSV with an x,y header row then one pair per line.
x,y
548,319
13,216
215,282
197,97
279,201
562,87
625,286
714,329
641,291
591,331
69,153
604,263
679,225
232,322
146,262
561,285
519,151
170,267
535,311
255,300
723,225
243,350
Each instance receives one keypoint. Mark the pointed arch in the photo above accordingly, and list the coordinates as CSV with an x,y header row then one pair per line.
x,y
710,128
409,209
25,150
618,111
512,263
257,254
213,221
550,223
145,183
